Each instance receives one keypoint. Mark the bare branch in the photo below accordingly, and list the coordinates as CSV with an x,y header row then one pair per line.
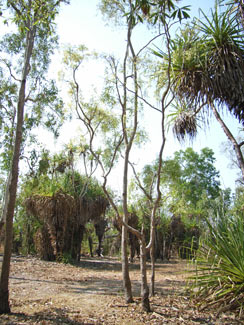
x,y
12,4
241,144
145,46
139,183
10,70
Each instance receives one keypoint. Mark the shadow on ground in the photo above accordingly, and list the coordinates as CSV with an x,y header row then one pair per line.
x,y
54,316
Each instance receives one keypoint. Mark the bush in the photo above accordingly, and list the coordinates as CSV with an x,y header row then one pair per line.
x,y
219,276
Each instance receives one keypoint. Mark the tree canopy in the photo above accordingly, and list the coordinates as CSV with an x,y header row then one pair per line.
x,y
188,181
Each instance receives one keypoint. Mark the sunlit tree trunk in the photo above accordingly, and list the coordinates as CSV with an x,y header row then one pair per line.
x,y
124,237
125,266
128,140
143,265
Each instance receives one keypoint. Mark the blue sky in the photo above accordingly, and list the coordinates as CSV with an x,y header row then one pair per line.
x,y
81,23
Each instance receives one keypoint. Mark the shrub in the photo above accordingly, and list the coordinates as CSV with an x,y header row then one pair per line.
x,y
219,275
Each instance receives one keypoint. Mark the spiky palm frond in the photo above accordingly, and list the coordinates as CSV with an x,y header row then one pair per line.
x,y
220,29
184,121
227,70
207,62
225,57
188,62
185,124
219,277
237,9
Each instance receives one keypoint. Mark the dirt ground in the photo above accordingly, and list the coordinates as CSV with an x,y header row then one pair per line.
x,y
91,292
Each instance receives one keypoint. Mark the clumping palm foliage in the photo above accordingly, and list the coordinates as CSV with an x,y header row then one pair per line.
x,y
207,65
57,202
238,9
184,122
219,277
225,61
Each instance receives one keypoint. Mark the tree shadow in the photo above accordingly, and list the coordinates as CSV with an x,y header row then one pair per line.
x,y
107,285
110,264
51,316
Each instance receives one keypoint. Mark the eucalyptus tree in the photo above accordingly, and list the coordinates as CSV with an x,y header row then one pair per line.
x,y
104,133
33,21
113,121
207,68
161,15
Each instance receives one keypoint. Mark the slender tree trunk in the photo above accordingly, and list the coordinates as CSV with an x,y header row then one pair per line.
x,y
125,266
152,256
124,237
144,287
90,241
230,136
128,145
9,204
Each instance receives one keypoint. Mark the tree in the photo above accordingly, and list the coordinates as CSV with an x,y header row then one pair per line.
x,y
56,203
207,69
33,20
228,150
187,180
191,194
115,118
198,175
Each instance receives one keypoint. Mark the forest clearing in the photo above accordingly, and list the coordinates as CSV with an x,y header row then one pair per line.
x,y
102,219
91,292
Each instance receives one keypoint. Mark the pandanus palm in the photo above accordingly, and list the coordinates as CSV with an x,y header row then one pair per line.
x,y
208,63
238,9
207,69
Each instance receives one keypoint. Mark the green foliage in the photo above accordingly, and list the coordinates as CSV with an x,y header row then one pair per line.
x,y
69,182
190,192
198,173
219,278
74,56
189,181
237,9
220,29
24,229
221,205
50,174
43,106
139,11
238,207
65,258
43,185
79,185
206,66
41,13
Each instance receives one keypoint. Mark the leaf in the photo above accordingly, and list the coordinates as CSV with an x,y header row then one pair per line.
x,y
186,15
179,15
